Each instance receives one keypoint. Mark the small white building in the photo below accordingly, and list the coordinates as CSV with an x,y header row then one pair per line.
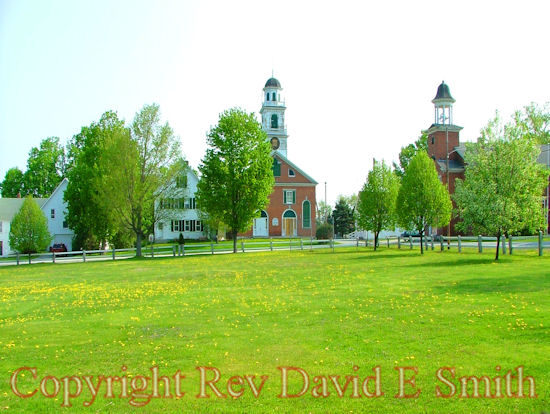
x,y
55,210
179,213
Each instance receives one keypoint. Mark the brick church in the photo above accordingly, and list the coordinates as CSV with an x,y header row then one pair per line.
x,y
444,146
292,204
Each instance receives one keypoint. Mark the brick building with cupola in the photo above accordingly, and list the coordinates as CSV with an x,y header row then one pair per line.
x,y
444,147
292,204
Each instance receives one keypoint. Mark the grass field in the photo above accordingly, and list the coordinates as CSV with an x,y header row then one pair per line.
x,y
249,314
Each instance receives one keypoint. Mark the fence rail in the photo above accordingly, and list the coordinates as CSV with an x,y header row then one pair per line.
x,y
291,244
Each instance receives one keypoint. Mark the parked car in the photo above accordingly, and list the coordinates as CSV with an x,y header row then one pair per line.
x,y
58,247
410,233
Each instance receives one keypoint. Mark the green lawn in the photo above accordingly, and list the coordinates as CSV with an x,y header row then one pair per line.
x,y
248,314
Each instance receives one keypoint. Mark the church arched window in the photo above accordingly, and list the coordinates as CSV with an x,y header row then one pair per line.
x,y
273,97
274,121
267,96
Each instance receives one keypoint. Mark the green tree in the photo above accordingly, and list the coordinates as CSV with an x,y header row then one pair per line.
x,y
408,152
29,229
422,200
343,216
236,172
324,211
45,168
502,190
377,200
13,183
93,222
534,122
140,166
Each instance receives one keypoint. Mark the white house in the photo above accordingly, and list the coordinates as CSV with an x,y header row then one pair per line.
x,y
54,208
179,213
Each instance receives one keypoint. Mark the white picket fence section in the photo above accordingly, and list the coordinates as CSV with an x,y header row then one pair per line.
x,y
250,245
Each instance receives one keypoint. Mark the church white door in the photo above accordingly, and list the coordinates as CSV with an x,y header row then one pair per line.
x,y
260,226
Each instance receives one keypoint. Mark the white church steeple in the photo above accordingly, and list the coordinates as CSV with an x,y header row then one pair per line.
x,y
273,116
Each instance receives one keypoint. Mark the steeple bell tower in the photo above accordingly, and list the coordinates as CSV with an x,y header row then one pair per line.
x,y
273,116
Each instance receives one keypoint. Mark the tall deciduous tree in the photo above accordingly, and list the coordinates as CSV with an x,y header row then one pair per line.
x,y
503,185
140,165
13,183
29,228
408,152
45,168
324,211
377,200
344,218
236,172
93,222
422,200
534,121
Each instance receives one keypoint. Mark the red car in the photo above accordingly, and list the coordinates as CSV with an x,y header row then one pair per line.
x,y
58,247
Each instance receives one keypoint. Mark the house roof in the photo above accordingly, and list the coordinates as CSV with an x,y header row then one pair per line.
x,y
298,169
454,166
10,206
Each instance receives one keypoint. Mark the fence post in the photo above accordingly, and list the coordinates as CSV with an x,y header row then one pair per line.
x,y
83,255
357,244
290,244
510,246
432,241
459,244
271,244
17,257
301,244
540,243
441,242
332,244
53,257
503,239
480,244
30,260
183,249
212,247
398,242
311,244
411,242
152,251
426,243
242,245
174,251
388,239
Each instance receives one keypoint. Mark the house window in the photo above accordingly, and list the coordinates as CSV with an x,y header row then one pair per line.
x,y
306,214
198,225
176,225
52,213
274,121
65,224
291,173
181,181
433,140
289,196
276,168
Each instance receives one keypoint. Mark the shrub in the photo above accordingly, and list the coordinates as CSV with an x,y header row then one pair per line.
x,y
324,231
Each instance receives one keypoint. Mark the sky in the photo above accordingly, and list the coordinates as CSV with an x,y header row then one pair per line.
x,y
358,77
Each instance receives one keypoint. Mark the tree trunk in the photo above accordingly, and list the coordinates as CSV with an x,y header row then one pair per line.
x,y
375,240
234,235
421,242
138,245
498,245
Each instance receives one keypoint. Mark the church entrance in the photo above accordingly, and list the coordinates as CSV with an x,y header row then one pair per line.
x,y
260,226
289,223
